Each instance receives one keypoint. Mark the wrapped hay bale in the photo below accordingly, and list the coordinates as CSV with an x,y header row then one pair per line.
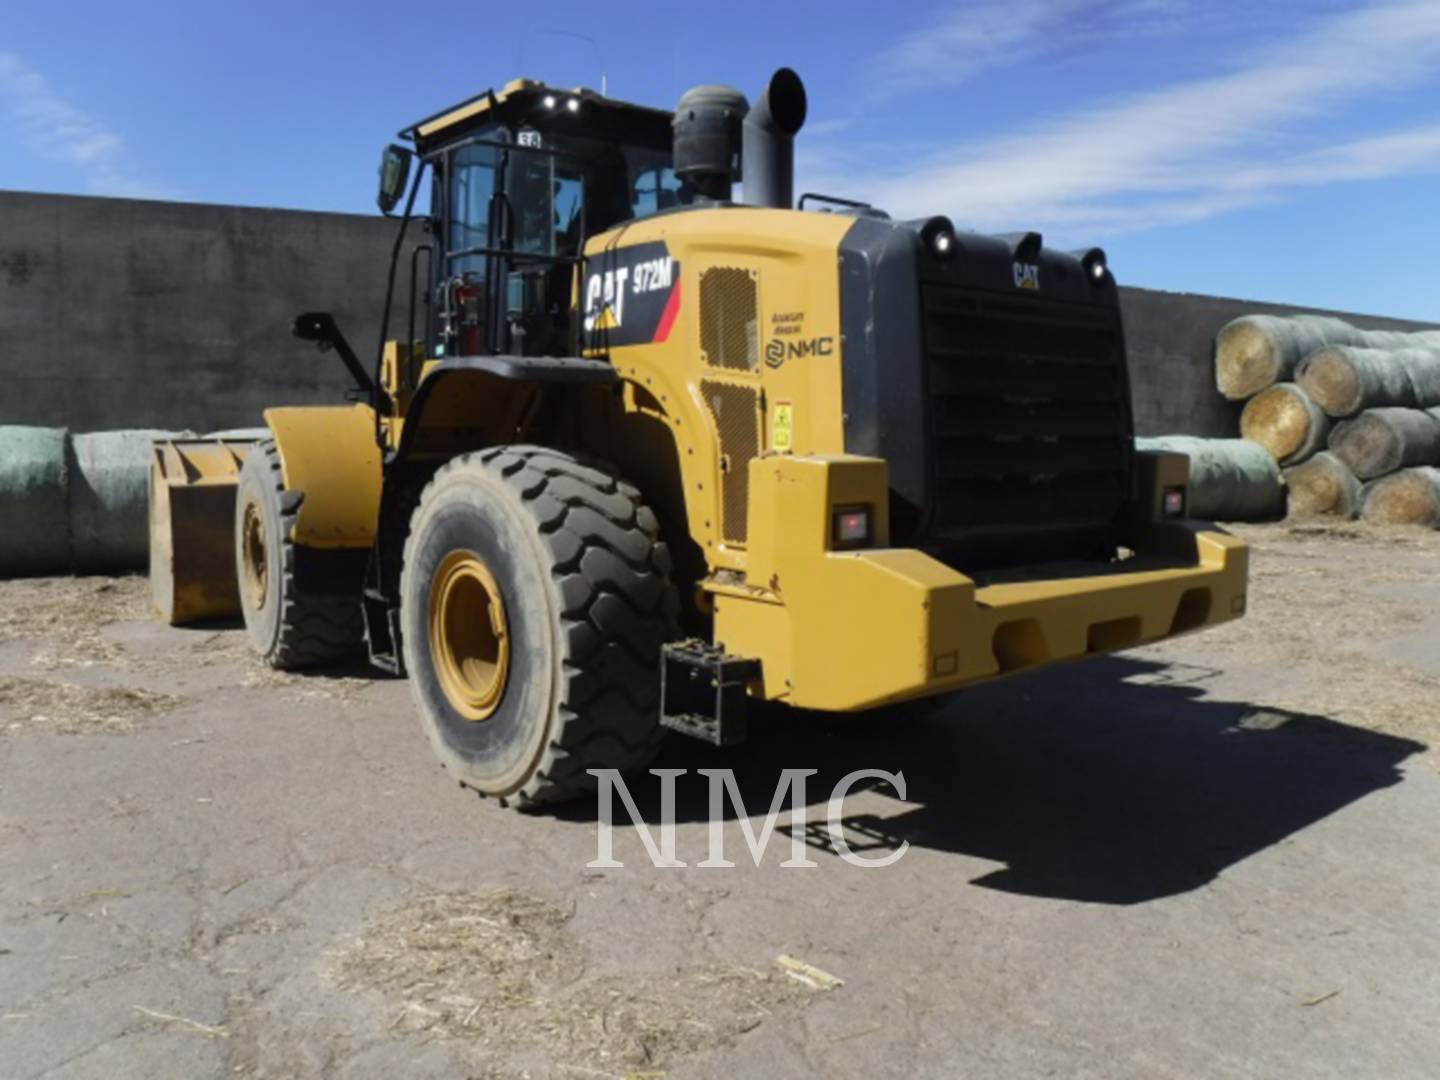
x,y
1285,422
108,499
1379,441
35,536
73,502
1257,351
1230,479
1343,380
1408,497
1323,485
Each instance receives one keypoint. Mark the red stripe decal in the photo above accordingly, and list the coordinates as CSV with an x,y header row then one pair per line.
x,y
667,317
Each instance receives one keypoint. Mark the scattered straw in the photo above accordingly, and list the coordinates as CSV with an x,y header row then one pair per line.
x,y
66,619
184,1021
1325,600
501,971
302,686
808,974
78,710
67,614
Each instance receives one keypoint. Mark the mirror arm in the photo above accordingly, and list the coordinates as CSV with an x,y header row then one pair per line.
x,y
320,327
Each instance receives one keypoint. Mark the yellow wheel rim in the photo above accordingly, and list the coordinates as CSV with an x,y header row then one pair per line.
x,y
253,557
469,642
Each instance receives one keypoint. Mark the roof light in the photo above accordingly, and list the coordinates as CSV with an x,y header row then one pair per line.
x,y
1095,265
573,104
938,235
548,101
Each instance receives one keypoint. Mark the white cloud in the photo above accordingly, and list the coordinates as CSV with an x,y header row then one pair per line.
x,y
980,35
63,133
1187,151
971,39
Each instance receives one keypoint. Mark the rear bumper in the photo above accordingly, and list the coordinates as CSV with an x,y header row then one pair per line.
x,y
847,630
1029,624
890,625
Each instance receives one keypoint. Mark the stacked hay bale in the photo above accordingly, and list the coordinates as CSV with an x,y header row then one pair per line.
x,y
1407,497
1285,422
1352,415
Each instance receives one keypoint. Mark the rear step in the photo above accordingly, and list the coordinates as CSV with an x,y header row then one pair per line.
x,y
702,691
382,632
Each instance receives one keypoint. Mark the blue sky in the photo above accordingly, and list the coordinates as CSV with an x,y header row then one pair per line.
x,y
1280,151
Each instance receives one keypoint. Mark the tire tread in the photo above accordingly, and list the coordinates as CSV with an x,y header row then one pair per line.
x,y
313,629
609,570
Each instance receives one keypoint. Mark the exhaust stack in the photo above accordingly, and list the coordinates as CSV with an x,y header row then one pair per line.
x,y
768,141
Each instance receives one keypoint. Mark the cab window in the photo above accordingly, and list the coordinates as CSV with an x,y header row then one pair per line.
x,y
473,170
654,189
545,192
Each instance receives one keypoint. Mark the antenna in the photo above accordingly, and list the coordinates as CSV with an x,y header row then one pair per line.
x,y
558,32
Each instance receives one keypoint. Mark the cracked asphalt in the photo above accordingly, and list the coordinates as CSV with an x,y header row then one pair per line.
x,y
1216,857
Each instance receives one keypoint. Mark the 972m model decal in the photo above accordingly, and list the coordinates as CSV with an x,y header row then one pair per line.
x,y
631,296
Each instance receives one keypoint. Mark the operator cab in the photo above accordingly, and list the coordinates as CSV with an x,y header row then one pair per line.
x,y
518,179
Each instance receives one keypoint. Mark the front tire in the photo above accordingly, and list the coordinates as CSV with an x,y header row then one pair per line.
x,y
535,597
290,627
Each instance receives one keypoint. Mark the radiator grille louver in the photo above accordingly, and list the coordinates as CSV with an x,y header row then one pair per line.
x,y
737,426
1029,426
729,310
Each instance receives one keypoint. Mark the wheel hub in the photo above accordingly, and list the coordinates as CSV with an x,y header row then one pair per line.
x,y
253,556
469,639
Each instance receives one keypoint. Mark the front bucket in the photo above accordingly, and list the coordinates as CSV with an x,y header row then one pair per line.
x,y
192,524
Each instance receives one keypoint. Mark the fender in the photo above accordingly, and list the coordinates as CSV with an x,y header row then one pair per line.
x,y
329,456
514,370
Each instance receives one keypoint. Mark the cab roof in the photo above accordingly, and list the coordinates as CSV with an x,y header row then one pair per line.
x,y
525,101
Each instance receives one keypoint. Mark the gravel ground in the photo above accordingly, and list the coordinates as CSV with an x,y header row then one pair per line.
x,y
1214,857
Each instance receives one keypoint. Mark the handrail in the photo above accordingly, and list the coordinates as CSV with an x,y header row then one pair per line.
x,y
429,291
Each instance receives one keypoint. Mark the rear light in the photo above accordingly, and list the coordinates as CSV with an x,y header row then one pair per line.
x,y
852,527
1173,504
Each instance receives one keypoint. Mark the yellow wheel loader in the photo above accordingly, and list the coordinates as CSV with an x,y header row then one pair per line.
x,y
645,452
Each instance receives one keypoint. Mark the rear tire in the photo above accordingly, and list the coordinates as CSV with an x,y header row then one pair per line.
x,y
582,602
289,627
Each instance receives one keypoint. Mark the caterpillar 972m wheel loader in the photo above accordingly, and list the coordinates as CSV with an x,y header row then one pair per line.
x,y
644,453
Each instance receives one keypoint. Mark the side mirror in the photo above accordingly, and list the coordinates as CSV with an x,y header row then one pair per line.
x,y
394,171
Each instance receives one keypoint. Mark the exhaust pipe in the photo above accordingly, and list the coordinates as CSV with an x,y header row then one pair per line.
x,y
768,141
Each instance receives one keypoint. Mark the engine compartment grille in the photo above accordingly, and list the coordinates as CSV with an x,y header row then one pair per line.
x,y
1029,427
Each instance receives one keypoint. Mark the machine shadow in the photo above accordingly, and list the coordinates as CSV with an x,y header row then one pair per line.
x,y
1111,782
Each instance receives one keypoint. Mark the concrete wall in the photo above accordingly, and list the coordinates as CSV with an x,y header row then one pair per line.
x,y
121,313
